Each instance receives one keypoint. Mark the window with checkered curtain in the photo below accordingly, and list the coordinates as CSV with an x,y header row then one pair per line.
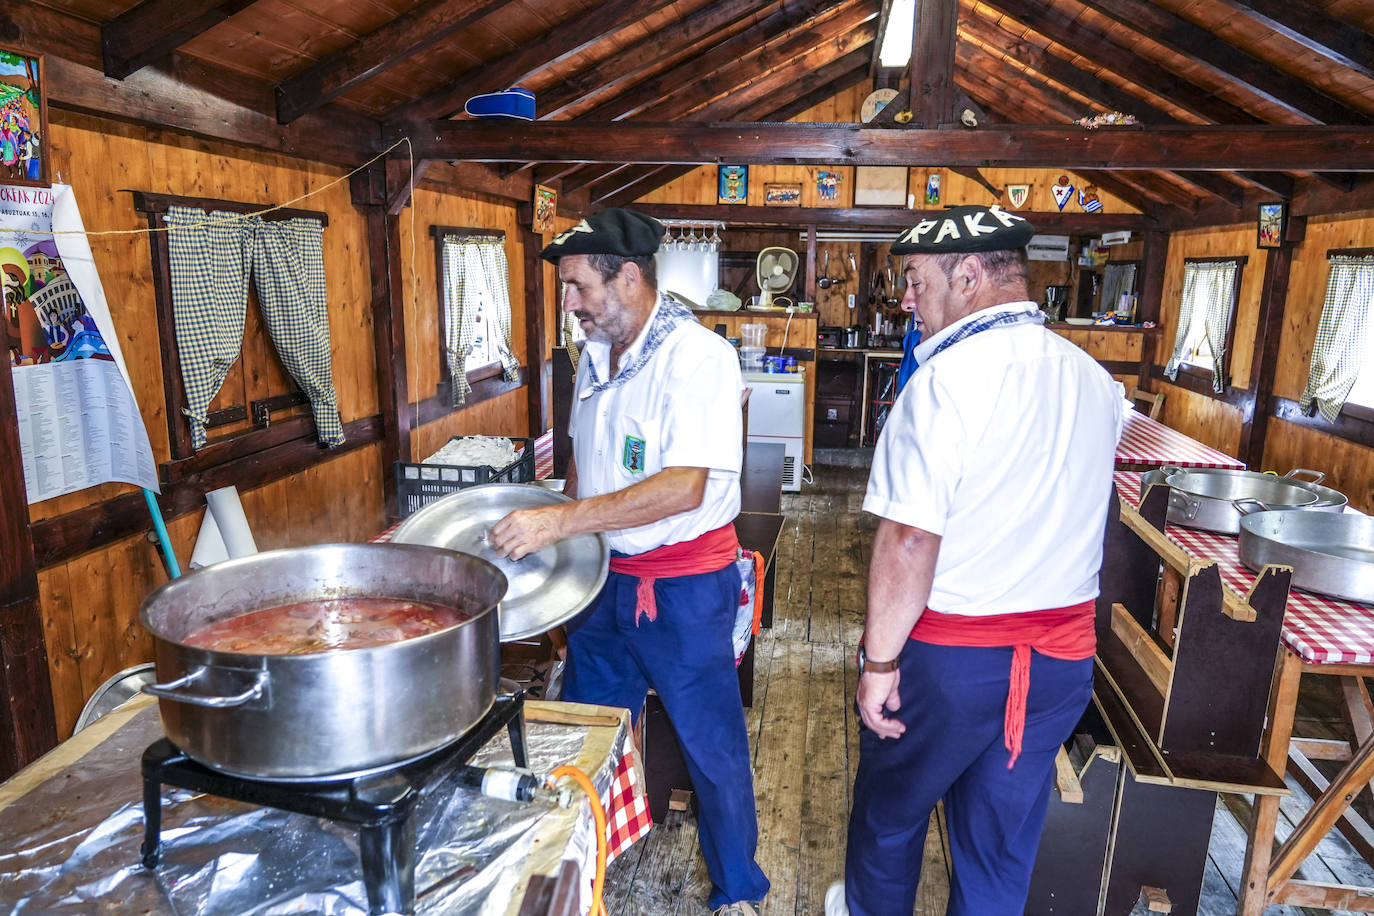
x,y
1204,318
476,304
1342,368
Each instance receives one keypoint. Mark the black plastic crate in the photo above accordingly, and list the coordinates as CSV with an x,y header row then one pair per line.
x,y
420,484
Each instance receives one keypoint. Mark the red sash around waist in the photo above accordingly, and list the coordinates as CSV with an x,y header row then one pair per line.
x,y
705,553
1065,633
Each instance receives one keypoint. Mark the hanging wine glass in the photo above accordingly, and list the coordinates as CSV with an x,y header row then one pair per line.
x,y
715,239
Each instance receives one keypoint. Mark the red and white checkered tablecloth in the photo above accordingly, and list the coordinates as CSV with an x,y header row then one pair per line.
x,y
1321,630
543,456
627,808
1149,442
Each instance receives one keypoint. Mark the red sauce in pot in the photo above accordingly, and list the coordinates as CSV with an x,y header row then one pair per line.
x,y
324,624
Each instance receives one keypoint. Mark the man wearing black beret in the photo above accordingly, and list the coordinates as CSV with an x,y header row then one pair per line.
x,y
991,481
656,429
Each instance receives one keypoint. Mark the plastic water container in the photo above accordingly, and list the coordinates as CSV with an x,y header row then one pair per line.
x,y
752,335
751,358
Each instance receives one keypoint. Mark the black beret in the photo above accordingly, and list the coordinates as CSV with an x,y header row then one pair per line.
x,y
966,229
622,232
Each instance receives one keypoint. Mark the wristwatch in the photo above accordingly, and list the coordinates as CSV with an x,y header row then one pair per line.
x,y
868,664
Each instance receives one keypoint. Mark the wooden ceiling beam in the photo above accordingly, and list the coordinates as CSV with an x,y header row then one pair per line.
x,y
558,44
594,175
1172,147
1140,189
878,218
993,39
1099,47
624,181
154,29
695,35
1315,30
332,76
730,63
1227,61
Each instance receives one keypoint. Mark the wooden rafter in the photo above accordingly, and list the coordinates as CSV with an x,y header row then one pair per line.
x,y
1008,102
694,46
155,28
772,43
558,44
332,76
1099,47
995,41
1227,61
1182,147
814,86
1315,30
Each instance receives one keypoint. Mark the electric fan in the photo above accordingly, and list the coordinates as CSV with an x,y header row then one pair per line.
x,y
776,272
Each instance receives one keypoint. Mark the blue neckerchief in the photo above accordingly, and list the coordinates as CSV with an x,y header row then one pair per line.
x,y
670,314
908,365
995,320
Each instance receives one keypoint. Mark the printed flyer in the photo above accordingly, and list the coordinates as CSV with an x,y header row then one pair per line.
x,y
79,424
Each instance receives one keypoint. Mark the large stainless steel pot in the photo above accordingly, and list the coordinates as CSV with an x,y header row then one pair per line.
x,y
1205,497
326,714
1330,554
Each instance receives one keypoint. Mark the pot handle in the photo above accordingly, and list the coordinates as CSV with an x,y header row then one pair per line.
x,y
1318,475
170,691
1245,505
1184,503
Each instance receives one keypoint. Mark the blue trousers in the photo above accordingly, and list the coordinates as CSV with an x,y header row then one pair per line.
x,y
686,655
953,703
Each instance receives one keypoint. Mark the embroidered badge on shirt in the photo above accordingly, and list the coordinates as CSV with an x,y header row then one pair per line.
x,y
633,457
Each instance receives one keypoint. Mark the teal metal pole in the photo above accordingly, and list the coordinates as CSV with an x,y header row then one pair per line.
x,y
161,528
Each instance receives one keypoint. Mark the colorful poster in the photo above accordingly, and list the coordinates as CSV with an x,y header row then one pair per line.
x,y
933,189
23,118
734,184
828,186
545,208
79,424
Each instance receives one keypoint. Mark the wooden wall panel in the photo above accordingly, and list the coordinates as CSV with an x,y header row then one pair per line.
x,y
59,635
1207,420
1347,465
1106,346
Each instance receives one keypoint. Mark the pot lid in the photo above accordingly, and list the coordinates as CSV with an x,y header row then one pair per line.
x,y
548,587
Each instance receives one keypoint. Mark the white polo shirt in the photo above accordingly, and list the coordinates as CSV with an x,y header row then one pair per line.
x,y
1003,444
681,410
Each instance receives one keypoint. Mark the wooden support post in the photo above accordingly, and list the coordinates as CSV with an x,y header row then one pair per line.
x,y
1255,402
1259,847
28,724
375,191
1321,817
536,347
931,85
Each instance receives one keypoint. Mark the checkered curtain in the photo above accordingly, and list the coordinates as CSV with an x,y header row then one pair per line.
x,y
209,268
288,272
1339,350
212,257
1209,290
569,331
476,276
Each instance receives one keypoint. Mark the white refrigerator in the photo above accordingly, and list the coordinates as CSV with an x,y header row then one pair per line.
x,y
777,413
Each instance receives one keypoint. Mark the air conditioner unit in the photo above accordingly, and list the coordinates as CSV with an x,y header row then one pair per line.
x,y
1048,248
777,413
1120,237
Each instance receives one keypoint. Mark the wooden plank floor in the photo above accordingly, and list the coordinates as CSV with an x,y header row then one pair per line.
x,y
804,737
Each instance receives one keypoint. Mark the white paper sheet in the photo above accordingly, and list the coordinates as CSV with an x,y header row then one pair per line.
x,y
79,424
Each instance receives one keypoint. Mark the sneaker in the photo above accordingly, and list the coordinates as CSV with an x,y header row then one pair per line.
x,y
738,908
835,904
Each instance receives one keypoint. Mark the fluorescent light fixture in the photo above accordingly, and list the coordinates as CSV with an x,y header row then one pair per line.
x,y
897,34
